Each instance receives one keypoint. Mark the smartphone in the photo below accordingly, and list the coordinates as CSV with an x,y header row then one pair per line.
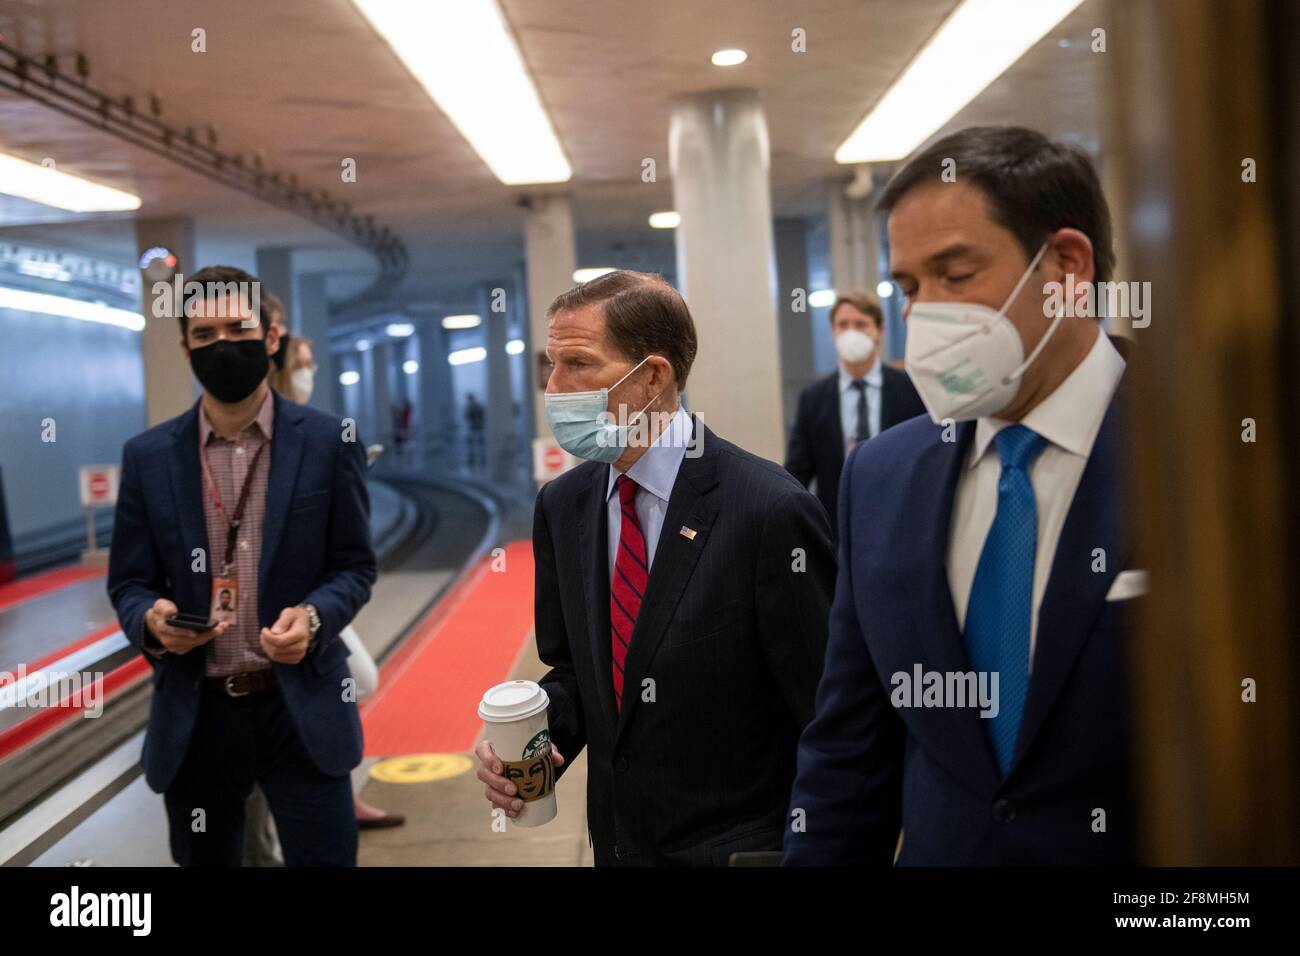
x,y
191,622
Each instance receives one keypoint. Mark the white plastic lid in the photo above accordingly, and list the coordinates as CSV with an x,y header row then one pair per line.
x,y
513,700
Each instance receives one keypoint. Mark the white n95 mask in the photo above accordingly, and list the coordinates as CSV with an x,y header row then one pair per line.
x,y
853,346
964,358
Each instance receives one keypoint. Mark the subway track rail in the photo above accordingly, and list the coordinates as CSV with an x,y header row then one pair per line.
x,y
446,526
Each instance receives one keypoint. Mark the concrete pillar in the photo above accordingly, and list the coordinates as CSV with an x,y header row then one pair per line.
x,y
797,367
275,271
381,388
169,388
500,406
314,323
531,413
550,258
718,151
437,414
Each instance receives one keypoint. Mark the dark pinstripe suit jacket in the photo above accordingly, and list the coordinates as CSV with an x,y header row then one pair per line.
x,y
723,663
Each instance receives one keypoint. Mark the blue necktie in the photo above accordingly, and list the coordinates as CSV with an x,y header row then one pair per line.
x,y
999,613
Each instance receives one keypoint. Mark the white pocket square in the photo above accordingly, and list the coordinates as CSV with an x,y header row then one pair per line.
x,y
1127,584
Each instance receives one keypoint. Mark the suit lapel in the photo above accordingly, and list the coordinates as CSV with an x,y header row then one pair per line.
x,y
832,426
286,455
1075,593
193,590
693,505
593,546
924,565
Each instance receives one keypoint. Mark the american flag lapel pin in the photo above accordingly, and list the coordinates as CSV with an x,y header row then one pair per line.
x,y
687,533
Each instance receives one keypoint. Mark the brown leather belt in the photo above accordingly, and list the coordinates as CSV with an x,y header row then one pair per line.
x,y
241,685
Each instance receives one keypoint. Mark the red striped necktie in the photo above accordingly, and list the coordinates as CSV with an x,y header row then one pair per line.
x,y
628,584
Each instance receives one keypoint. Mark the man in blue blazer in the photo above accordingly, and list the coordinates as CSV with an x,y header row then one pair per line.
x,y
973,708
252,511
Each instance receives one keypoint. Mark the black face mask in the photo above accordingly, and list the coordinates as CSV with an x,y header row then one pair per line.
x,y
231,371
279,357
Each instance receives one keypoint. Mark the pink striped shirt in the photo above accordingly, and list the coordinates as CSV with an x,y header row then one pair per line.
x,y
240,648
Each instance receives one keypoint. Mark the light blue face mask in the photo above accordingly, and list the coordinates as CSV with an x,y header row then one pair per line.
x,y
583,425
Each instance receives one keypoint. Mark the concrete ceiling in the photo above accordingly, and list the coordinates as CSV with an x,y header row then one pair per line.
x,y
307,83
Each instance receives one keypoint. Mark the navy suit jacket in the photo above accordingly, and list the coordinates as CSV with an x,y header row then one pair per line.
x,y
730,636
315,550
867,769
816,448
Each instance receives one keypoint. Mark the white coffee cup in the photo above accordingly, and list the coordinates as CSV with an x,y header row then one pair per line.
x,y
515,713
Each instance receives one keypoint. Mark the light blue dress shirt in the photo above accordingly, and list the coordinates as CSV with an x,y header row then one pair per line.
x,y
849,404
655,473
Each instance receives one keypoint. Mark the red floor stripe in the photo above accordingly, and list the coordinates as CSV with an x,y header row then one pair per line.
x,y
18,591
46,720
76,645
428,697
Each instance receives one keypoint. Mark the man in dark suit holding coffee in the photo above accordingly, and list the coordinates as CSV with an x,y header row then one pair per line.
x,y
682,593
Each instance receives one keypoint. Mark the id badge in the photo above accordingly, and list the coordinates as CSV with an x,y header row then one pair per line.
x,y
225,599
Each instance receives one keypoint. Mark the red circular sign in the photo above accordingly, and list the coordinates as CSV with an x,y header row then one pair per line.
x,y
99,484
553,458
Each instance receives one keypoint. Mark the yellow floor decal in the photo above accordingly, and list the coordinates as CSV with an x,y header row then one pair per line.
x,y
421,768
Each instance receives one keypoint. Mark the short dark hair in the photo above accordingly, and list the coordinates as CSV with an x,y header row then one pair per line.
x,y
221,275
864,302
1034,185
644,315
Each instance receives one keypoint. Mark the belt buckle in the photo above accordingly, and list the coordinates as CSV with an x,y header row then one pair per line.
x,y
230,687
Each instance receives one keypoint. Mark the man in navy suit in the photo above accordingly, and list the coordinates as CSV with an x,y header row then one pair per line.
x,y
856,402
973,704
251,511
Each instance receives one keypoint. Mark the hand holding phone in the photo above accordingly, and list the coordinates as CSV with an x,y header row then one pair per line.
x,y
180,633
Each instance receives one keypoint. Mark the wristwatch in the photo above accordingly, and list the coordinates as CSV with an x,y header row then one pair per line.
x,y
313,623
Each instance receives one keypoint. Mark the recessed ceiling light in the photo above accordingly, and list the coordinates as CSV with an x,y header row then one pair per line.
x,y
363,345
349,378
586,275
515,347
885,289
973,47
665,220
50,187
410,366
466,356
729,57
821,298
400,330
466,58
461,321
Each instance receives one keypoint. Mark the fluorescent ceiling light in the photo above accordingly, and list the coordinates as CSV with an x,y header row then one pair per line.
x,y
973,47
410,366
461,321
466,356
665,220
50,187
729,57
465,57
586,275
400,330
822,297
515,347
349,378
42,303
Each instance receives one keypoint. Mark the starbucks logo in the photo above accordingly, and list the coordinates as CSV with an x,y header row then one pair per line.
x,y
540,743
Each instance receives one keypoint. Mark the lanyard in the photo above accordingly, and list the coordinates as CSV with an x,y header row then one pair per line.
x,y
232,523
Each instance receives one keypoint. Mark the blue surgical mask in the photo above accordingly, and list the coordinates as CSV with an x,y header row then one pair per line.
x,y
583,426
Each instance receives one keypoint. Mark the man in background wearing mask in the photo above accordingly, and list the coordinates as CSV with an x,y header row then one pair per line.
x,y
248,494
974,694
856,402
682,588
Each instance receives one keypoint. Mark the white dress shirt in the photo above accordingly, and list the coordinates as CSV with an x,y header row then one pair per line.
x,y
655,473
1069,419
849,405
